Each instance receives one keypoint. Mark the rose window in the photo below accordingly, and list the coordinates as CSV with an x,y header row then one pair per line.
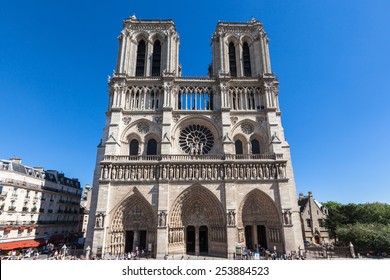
x,y
196,140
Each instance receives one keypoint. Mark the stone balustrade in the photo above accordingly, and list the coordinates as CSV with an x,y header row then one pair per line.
x,y
117,171
124,158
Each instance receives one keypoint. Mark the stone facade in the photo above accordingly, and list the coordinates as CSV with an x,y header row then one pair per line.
x,y
313,219
193,165
36,205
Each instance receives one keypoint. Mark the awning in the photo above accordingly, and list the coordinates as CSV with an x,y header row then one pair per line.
x,y
21,244
8,228
22,228
31,227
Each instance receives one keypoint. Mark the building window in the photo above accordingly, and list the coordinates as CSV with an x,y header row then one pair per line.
x,y
195,99
246,60
156,61
255,147
196,140
141,53
151,147
232,60
308,223
134,147
238,145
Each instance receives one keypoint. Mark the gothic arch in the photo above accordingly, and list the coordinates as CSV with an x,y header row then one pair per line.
x,y
142,36
249,130
132,214
139,129
247,39
259,221
258,206
157,36
235,39
197,206
142,130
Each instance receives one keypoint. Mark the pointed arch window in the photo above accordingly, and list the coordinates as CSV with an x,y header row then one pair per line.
x,y
141,53
232,60
151,148
134,147
238,146
255,147
246,60
156,61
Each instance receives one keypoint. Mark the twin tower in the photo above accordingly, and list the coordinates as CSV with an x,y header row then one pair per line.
x,y
193,166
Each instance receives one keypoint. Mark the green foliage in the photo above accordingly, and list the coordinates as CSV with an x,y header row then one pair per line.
x,y
366,237
367,226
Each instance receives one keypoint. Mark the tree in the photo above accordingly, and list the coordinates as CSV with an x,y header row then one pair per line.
x,y
367,226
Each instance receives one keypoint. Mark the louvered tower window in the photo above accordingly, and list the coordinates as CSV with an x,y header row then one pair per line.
x,y
141,52
246,60
156,61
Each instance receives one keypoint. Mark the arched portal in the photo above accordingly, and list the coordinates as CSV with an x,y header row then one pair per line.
x,y
133,226
197,224
259,223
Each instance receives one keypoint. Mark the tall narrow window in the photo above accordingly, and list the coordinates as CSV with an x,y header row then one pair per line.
x,y
232,60
238,145
152,147
141,52
255,147
246,60
134,146
156,61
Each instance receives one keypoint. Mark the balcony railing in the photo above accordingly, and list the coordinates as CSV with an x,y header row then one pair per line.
x,y
272,156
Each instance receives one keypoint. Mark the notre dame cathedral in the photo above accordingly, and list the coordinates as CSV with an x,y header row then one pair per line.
x,y
193,166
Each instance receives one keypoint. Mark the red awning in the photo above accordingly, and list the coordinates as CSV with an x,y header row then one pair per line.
x,y
21,244
31,227
22,228
8,228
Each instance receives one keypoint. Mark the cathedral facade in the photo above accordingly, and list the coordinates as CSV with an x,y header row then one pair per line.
x,y
193,166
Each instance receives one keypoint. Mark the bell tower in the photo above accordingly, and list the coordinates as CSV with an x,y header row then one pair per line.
x,y
148,48
240,49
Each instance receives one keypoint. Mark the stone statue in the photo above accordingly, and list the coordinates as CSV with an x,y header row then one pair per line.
x,y
120,173
99,221
254,172
146,172
164,173
113,173
260,171
132,173
105,173
229,172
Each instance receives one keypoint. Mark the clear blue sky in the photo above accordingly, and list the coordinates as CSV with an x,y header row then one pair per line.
x,y
332,58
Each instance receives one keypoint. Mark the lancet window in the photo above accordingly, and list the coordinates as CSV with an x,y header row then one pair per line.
x,y
255,147
232,60
246,60
195,98
151,148
238,146
134,147
156,58
141,54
